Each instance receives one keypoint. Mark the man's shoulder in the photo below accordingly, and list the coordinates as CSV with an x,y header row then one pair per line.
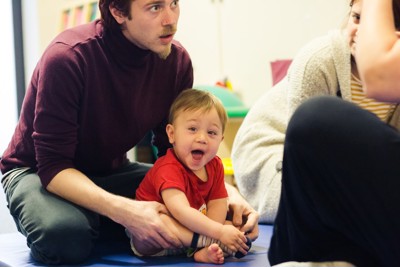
x,y
80,34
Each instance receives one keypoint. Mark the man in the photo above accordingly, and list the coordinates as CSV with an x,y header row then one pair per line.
x,y
96,91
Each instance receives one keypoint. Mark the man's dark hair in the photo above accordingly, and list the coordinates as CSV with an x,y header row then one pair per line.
x,y
121,5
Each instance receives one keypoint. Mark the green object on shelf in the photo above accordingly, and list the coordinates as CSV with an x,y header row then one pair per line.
x,y
233,104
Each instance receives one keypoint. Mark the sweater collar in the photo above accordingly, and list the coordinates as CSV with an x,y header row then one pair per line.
x,y
124,51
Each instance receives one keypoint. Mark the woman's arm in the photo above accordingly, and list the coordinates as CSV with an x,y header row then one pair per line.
x,y
256,152
321,67
244,216
378,51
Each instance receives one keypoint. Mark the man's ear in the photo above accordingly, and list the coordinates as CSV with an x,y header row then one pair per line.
x,y
170,132
117,14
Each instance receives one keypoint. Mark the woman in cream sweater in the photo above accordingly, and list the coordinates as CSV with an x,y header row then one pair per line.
x,y
326,66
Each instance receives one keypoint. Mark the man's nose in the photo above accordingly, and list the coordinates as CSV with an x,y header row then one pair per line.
x,y
170,17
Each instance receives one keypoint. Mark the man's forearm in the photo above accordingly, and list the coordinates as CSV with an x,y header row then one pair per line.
x,y
76,187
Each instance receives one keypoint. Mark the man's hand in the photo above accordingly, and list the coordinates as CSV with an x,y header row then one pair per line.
x,y
142,220
243,215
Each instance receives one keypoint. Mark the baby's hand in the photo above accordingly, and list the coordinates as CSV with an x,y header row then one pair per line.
x,y
234,239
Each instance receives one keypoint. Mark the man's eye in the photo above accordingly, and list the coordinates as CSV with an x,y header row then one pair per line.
x,y
175,3
155,8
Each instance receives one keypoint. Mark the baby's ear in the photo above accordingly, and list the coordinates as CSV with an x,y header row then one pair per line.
x,y
170,132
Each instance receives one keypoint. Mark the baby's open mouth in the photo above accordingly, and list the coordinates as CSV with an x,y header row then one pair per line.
x,y
197,154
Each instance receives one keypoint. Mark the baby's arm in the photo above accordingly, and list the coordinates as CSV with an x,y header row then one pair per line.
x,y
178,205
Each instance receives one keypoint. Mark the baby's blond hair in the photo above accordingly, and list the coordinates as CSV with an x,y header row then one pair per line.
x,y
195,99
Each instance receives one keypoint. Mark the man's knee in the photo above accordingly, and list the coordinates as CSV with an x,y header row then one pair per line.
x,y
61,244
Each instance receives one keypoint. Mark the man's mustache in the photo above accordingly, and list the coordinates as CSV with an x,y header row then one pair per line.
x,y
168,30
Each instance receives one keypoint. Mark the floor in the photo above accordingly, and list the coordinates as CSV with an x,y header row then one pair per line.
x,y
14,252
7,223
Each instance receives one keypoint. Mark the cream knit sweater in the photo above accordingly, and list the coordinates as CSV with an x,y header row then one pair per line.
x,y
321,68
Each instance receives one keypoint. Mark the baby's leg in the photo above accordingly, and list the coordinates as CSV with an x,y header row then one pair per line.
x,y
183,234
187,237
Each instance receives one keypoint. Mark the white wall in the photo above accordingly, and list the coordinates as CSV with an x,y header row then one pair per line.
x,y
8,101
232,38
31,36
8,95
238,39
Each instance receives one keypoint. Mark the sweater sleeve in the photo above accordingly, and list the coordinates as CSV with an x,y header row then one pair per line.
x,y
312,72
56,113
257,152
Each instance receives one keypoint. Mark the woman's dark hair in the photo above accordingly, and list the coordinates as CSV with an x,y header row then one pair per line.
x,y
396,12
121,5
